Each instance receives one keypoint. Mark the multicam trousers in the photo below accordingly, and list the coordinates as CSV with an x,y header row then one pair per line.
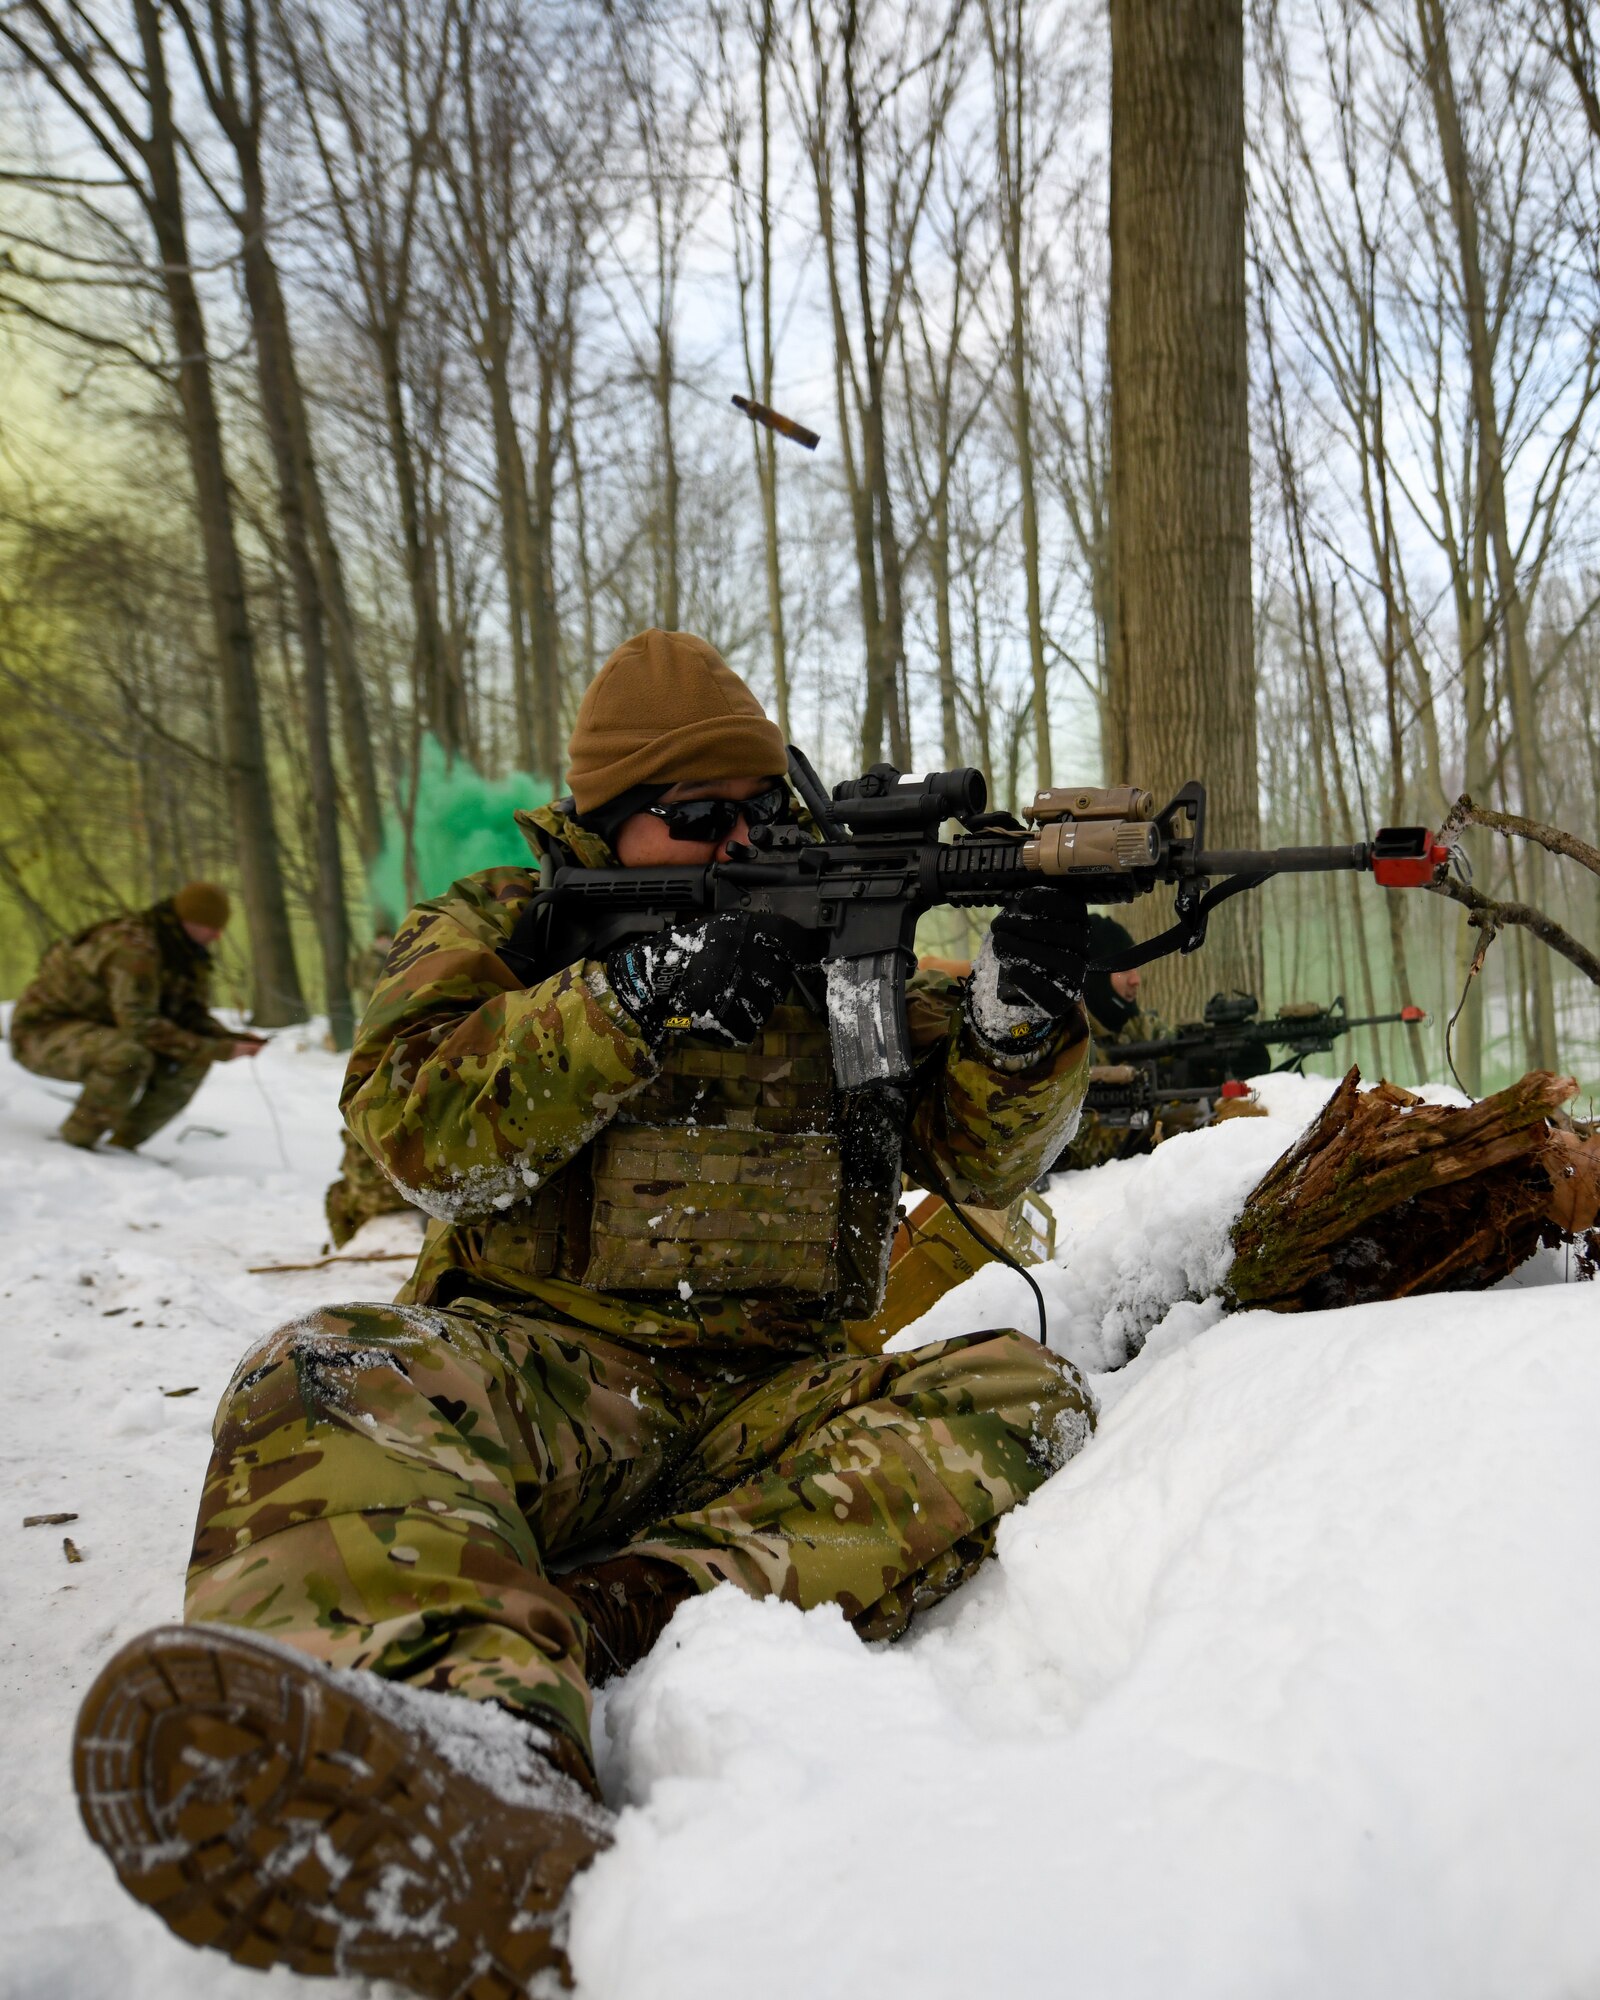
x,y
362,1191
128,1090
390,1485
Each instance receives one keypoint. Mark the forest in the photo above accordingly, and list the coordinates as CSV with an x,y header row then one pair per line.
x,y
369,371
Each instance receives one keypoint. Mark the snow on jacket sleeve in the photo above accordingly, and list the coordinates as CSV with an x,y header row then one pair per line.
x,y
986,1127
130,969
468,1089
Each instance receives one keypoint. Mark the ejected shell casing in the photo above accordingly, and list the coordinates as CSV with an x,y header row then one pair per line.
x,y
758,413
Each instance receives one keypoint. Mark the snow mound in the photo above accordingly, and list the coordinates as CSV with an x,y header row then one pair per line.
x,y
1134,1236
1282,1686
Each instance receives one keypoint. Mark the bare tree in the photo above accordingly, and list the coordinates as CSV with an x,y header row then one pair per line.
x,y
122,102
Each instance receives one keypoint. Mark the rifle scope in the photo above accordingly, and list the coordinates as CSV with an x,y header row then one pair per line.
x,y
882,801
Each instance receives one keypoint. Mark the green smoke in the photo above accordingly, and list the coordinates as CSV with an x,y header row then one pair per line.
x,y
462,823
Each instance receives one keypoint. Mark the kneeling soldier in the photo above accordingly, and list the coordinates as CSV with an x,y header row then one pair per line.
x,y
122,1009
617,1377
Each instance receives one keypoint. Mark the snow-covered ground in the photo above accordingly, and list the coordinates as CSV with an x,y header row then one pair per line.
x,y
1285,1686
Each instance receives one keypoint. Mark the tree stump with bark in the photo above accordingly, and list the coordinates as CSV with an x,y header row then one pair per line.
x,y
1386,1196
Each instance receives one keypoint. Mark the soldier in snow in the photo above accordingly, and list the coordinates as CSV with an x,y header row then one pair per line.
x,y
122,1008
617,1378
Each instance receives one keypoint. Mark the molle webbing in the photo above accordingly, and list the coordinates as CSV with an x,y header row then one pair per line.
x,y
737,1171
714,1208
722,1173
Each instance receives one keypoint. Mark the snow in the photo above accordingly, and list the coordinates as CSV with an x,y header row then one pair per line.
x,y
1282,1686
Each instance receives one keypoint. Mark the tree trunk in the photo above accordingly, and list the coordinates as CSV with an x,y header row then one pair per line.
x,y
516,537
272,368
939,558
549,743
435,687
1180,444
355,725
667,509
277,998
872,710
766,441
1513,606
885,664
1005,51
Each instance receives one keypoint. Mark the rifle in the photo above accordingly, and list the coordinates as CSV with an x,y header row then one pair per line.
x,y
880,864
1230,1043
1129,1096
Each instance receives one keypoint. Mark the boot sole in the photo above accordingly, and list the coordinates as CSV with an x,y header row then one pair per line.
x,y
284,1813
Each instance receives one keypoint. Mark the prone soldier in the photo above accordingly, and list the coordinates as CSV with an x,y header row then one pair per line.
x,y
123,1009
618,1377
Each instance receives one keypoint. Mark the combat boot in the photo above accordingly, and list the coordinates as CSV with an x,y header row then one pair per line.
x,y
291,1814
626,1602
83,1130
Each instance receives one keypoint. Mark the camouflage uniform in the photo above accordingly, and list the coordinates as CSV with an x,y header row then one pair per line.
x,y
122,1009
391,1486
1096,1142
362,1189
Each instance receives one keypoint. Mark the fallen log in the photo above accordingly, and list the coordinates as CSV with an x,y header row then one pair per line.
x,y
1385,1197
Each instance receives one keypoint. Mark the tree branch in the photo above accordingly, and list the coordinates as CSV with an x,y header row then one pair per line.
x,y
1465,813
1490,916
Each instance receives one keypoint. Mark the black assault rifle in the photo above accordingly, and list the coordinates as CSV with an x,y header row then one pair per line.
x,y
880,863
1129,1096
1231,1044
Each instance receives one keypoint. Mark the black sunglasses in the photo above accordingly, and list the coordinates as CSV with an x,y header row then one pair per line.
x,y
714,819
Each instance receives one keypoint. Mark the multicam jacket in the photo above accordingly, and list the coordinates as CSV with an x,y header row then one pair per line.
x,y
529,1122
142,973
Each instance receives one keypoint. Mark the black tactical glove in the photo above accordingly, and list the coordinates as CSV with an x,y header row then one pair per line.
x,y
1029,975
718,976
1041,943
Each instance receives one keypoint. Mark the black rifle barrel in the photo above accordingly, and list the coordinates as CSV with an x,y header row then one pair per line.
x,y
1280,860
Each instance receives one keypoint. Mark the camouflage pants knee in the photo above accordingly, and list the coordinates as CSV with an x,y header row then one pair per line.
x,y
128,1091
390,1485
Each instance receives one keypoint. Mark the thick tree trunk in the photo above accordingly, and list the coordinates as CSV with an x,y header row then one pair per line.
x,y
1180,445
277,998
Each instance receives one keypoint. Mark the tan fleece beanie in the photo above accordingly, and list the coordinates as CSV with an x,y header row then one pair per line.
x,y
665,708
203,903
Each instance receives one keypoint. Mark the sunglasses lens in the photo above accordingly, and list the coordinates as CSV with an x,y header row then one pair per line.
x,y
767,807
715,819
701,819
